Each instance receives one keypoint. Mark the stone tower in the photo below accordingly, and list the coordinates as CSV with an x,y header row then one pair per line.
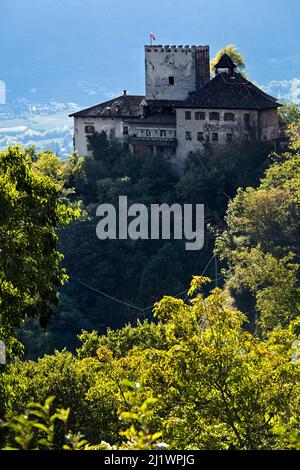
x,y
172,72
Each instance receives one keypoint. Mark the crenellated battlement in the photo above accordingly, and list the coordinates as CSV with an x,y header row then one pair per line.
x,y
183,49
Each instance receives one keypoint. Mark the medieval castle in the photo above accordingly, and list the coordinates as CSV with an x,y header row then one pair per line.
x,y
184,109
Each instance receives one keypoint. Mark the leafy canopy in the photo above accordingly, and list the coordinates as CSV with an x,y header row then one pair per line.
x,y
31,212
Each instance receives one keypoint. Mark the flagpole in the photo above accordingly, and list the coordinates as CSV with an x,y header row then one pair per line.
x,y
150,37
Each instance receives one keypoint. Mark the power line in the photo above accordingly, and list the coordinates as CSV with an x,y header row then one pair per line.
x,y
136,307
115,299
186,290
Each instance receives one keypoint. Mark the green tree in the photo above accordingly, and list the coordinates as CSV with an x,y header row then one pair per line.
x,y
30,270
210,383
241,386
214,177
261,242
49,164
289,113
139,272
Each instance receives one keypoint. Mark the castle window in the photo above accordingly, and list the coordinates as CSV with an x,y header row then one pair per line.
x,y
188,135
125,130
215,137
89,129
228,117
200,136
214,116
199,116
148,133
247,119
229,138
188,115
163,133
171,81
246,137
112,133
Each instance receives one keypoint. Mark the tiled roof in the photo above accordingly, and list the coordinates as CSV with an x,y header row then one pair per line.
x,y
123,106
225,92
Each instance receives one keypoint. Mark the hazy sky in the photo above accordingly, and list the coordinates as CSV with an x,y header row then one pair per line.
x,y
85,50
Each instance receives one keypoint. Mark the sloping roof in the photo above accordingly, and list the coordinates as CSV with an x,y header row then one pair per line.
x,y
225,62
225,92
123,106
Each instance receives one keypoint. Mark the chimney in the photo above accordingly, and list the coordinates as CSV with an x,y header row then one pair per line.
x,y
125,93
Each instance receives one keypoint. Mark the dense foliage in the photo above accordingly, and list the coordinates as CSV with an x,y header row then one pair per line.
x,y
139,272
261,242
289,113
30,271
211,385
218,369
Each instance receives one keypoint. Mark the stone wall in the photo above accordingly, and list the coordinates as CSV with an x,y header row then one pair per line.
x,y
268,124
172,72
112,126
262,125
238,129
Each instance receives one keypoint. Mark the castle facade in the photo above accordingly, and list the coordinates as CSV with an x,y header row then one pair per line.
x,y
184,109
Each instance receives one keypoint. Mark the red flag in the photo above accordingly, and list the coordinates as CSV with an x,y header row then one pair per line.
x,y
152,37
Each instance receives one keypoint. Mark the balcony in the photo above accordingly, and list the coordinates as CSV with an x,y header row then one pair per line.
x,y
155,141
